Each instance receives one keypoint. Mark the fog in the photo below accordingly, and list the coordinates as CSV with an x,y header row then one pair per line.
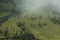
x,y
35,6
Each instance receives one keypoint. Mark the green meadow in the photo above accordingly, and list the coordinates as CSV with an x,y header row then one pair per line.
x,y
40,26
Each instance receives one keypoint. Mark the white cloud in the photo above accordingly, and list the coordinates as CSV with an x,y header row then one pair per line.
x,y
36,5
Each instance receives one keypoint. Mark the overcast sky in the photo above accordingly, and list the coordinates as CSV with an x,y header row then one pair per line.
x,y
36,5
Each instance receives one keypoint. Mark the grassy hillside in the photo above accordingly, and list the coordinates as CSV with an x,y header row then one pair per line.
x,y
14,26
40,26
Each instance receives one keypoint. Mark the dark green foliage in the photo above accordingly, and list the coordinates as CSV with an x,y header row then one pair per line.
x,y
17,37
5,5
21,25
6,32
40,25
55,21
26,36
1,31
45,24
10,7
29,36
3,19
5,1
4,39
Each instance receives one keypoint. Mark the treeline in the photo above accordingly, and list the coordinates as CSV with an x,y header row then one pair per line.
x,y
8,6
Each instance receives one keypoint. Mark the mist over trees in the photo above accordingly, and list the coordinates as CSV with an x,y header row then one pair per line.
x,y
19,29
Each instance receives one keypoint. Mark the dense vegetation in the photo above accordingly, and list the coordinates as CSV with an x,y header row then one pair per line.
x,y
14,26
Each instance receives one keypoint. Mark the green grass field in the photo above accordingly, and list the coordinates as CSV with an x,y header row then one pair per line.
x,y
40,26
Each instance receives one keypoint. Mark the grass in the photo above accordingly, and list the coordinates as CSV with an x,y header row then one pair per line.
x,y
49,31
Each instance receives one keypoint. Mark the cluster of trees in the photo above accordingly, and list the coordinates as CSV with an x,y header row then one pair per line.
x,y
55,20
8,7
